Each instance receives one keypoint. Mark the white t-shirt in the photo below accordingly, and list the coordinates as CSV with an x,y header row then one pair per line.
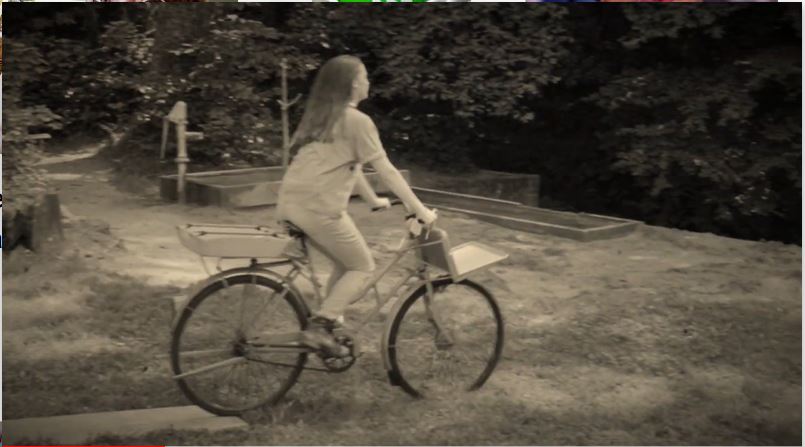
x,y
321,176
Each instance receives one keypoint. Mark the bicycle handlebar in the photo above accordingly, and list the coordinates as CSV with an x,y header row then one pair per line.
x,y
415,227
394,202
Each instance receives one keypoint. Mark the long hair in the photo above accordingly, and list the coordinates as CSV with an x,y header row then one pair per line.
x,y
328,99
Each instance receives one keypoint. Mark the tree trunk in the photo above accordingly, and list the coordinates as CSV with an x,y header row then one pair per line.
x,y
34,226
177,25
126,17
91,25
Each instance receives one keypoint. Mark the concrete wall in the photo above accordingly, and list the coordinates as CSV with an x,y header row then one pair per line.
x,y
522,188
201,188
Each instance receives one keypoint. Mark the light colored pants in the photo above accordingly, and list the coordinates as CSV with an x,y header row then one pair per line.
x,y
339,239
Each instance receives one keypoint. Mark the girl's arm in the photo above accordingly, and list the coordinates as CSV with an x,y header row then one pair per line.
x,y
365,189
369,150
397,184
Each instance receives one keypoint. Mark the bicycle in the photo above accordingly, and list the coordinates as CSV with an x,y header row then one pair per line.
x,y
443,333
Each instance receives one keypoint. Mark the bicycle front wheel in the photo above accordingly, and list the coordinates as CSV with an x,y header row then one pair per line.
x,y
214,336
446,342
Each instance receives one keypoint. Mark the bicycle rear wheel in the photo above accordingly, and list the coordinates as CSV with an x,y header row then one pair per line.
x,y
210,347
445,344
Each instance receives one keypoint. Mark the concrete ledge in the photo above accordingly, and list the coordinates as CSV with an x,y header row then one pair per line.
x,y
523,188
443,199
240,188
77,429
28,137
578,226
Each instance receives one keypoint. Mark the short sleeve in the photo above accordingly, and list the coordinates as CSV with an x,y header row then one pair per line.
x,y
365,138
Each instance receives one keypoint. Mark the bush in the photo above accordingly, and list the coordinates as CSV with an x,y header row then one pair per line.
x,y
231,92
709,146
684,117
21,178
434,78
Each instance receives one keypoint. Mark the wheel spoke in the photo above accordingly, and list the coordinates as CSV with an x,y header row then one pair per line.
x,y
204,353
447,342
269,302
213,367
211,353
280,350
243,301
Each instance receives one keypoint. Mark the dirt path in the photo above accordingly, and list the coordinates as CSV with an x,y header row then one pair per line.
x,y
661,337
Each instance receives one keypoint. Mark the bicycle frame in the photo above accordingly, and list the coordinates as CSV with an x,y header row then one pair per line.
x,y
284,342
306,270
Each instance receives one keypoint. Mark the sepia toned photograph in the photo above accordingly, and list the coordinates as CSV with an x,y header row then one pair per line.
x,y
424,224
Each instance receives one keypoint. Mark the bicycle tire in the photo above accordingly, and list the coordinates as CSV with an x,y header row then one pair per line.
x,y
402,375
297,308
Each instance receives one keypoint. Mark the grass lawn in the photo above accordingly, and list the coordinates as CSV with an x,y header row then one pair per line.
x,y
662,337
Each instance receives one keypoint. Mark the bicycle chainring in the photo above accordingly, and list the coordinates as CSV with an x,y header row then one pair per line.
x,y
340,363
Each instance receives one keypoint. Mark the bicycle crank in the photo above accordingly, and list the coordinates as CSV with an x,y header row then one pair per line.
x,y
344,362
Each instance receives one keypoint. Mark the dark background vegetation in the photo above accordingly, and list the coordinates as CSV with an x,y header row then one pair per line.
x,y
686,116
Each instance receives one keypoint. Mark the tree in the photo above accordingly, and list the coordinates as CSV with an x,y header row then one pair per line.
x,y
679,115
175,31
437,70
710,128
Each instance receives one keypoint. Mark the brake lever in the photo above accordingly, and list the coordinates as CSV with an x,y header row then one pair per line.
x,y
429,227
421,225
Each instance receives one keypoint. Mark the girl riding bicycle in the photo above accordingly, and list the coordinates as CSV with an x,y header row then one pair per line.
x,y
335,141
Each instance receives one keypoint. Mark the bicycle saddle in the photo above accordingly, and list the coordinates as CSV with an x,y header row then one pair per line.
x,y
293,230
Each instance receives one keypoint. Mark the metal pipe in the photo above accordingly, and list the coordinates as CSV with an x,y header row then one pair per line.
x,y
178,115
181,160
285,105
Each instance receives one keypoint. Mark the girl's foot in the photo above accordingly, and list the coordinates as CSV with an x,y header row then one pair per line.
x,y
319,334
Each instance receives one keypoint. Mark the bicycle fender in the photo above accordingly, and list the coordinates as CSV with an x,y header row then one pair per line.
x,y
228,274
384,342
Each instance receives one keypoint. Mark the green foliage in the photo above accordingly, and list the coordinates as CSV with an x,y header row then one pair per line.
x,y
89,86
20,118
671,23
684,116
231,90
435,66
235,86
714,148
445,59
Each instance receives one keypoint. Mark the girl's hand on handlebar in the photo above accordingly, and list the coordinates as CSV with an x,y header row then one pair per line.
x,y
416,224
427,216
381,203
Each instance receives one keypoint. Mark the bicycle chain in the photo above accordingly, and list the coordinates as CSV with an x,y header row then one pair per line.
x,y
289,365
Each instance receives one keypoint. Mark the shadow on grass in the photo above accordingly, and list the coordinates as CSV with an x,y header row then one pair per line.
x,y
87,384
670,368
125,366
624,367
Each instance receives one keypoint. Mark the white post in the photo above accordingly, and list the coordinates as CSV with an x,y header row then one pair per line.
x,y
178,115
285,131
285,105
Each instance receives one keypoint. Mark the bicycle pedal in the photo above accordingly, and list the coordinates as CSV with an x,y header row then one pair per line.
x,y
355,347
